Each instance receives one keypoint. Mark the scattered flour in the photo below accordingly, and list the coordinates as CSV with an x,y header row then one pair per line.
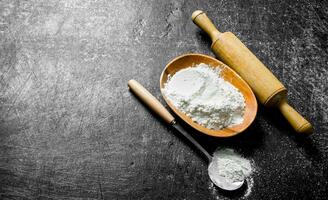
x,y
250,184
205,97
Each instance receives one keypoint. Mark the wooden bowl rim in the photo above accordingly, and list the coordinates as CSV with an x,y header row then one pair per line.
x,y
226,132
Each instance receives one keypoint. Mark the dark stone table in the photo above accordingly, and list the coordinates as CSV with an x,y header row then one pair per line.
x,y
70,129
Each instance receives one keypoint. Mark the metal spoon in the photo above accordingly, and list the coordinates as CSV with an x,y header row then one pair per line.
x,y
149,100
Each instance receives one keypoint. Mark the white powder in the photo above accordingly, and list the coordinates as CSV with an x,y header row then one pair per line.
x,y
228,167
205,97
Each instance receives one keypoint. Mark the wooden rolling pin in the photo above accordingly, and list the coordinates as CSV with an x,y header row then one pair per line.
x,y
267,88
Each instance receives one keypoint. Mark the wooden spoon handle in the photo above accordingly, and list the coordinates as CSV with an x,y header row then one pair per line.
x,y
297,121
204,23
150,101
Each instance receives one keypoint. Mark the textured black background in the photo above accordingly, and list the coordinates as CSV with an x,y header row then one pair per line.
x,y
69,127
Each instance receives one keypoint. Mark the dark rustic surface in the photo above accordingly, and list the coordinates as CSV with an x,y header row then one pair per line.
x,y
69,128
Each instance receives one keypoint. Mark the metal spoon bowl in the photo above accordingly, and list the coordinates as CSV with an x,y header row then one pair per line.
x,y
221,182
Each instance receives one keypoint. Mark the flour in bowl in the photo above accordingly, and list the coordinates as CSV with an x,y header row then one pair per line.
x,y
205,97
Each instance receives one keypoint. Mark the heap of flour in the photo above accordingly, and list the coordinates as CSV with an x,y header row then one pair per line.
x,y
205,97
228,167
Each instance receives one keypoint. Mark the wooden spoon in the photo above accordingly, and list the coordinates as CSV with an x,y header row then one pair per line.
x,y
227,74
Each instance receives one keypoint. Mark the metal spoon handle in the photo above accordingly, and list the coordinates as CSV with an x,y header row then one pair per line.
x,y
192,140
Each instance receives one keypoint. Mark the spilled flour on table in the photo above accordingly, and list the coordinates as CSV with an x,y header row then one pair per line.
x,y
205,97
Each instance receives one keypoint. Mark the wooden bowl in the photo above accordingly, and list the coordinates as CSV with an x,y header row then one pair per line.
x,y
227,74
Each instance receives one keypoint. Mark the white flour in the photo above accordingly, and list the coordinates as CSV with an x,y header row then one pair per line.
x,y
205,97
228,167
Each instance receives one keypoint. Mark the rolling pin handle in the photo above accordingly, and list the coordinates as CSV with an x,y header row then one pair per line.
x,y
297,121
204,23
